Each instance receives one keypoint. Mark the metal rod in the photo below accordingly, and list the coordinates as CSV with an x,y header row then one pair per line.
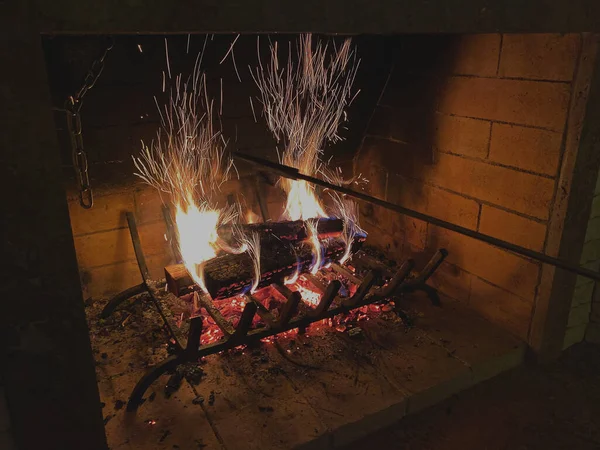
x,y
292,173
137,247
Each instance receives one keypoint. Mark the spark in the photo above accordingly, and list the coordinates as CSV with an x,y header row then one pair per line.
x,y
304,104
344,208
187,162
230,51
139,46
167,58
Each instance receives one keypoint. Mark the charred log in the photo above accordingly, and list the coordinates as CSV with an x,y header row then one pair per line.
x,y
288,231
232,274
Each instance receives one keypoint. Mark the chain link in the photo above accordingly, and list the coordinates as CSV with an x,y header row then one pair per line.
x,y
72,108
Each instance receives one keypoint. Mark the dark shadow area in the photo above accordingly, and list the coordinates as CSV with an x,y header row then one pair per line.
x,y
532,407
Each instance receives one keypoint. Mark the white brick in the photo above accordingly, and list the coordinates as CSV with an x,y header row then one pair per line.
x,y
579,315
574,335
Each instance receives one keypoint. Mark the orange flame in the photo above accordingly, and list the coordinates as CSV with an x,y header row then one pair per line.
x,y
302,202
314,239
197,233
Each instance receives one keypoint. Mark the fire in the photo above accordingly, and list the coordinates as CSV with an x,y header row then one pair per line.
x,y
314,240
197,236
309,296
302,202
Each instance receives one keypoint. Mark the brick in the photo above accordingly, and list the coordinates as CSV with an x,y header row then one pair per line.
x,y
110,279
579,315
372,167
592,333
462,135
512,228
148,204
501,307
452,281
534,103
580,281
392,245
518,191
396,156
593,230
118,143
477,54
583,293
411,90
591,251
382,122
108,213
539,56
526,148
574,335
433,201
120,105
503,269
595,207
414,231
109,247
414,125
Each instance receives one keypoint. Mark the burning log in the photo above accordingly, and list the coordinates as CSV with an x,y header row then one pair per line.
x,y
232,274
295,230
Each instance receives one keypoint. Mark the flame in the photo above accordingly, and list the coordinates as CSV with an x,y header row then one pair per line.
x,y
308,295
302,202
252,243
197,236
314,240
293,278
251,217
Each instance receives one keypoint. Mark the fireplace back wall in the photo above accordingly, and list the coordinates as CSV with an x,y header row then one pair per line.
x,y
469,128
472,130
120,111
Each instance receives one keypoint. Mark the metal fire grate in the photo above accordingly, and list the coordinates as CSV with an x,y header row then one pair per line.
x,y
187,336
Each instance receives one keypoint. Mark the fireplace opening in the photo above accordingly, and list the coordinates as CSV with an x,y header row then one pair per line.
x,y
227,303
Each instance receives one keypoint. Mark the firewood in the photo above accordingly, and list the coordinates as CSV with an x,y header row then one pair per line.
x,y
295,230
232,274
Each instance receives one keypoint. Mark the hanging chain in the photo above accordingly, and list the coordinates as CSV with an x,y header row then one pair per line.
x,y
73,114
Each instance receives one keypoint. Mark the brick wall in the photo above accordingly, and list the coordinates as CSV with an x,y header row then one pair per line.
x,y
470,129
584,320
120,111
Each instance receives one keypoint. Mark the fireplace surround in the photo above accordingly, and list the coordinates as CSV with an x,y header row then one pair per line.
x,y
53,280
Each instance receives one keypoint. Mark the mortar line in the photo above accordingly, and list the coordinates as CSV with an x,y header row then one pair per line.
x,y
496,164
563,149
496,77
489,146
477,200
500,53
503,122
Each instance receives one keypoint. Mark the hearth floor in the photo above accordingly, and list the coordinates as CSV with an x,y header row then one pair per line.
x,y
318,391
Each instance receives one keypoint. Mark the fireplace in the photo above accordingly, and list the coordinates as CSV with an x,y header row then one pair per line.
x,y
484,131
